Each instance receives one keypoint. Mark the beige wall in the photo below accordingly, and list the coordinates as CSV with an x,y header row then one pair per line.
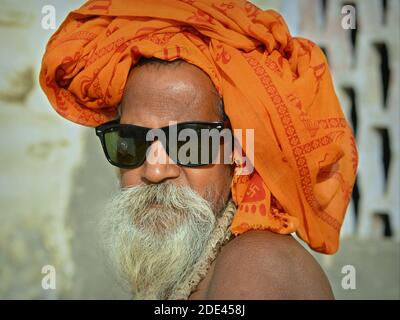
x,y
54,180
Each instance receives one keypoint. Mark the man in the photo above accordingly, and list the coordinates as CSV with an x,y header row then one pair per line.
x,y
206,230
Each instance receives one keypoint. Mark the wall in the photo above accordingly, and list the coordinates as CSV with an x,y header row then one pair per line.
x,y
54,180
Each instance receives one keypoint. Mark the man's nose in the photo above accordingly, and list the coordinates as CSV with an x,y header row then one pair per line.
x,y
158,166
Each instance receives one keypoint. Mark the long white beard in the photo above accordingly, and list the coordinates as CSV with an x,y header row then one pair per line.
x,y
155,234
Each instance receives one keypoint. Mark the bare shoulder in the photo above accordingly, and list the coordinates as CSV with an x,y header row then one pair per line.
x,y
265,265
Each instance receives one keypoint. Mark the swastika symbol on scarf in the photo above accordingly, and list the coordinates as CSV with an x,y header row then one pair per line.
x,y
252,190
255,190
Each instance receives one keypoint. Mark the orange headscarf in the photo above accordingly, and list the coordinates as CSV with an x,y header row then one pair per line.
x,y
305,155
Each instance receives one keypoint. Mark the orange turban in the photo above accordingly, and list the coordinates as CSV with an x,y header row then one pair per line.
x,y
305,156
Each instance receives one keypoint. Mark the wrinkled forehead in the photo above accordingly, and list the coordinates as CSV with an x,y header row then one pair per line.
x,y
157,94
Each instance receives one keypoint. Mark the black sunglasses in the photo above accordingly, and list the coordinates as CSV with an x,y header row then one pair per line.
x,y
125,145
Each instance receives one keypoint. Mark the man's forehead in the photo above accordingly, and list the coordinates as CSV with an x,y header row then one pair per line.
x,y
169,93
168,78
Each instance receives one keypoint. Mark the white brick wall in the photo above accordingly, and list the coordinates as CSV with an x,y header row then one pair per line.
x,y
42,151
357,69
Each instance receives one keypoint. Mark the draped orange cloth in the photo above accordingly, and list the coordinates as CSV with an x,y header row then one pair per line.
x,y
305,154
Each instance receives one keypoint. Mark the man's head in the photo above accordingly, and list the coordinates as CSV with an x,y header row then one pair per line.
x,y
159,224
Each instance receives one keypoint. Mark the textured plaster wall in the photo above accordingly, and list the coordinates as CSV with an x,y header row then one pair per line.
x,y
54,180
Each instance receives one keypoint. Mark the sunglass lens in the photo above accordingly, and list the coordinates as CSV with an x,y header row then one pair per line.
x,y
125,150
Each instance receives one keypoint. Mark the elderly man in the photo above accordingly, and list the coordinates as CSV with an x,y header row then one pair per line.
x,y
206,229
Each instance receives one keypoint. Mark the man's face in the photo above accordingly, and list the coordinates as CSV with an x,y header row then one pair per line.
x,y
156,95
157,227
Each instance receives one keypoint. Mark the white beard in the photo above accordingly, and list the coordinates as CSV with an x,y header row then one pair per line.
x,y
155,234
